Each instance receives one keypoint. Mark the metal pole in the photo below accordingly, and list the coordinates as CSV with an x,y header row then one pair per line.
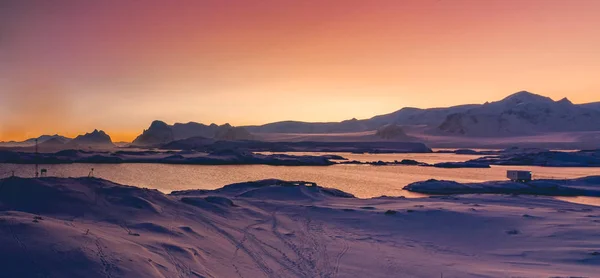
x,y
36,158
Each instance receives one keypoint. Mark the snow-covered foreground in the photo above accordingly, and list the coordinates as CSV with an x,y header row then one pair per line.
x,y
86,227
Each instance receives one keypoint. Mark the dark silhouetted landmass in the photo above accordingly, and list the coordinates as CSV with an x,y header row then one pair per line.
x,y
588,186
223,157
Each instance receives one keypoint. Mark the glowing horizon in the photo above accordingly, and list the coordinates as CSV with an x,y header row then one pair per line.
x,y
69,67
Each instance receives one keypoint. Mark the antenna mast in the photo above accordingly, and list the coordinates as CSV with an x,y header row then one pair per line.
x,y
36,158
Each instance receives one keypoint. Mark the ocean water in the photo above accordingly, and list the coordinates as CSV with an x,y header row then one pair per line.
x,y
361,180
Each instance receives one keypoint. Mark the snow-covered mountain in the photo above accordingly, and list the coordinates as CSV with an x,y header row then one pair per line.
x,y
56,139
404,116
351,125
416,116
522,113
160,133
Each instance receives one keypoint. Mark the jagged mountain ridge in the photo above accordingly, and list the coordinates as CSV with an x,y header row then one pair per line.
x,y
160,133
96,138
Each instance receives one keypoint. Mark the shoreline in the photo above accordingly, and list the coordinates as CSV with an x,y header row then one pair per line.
x,y
585,187
182,157
509,157
579,187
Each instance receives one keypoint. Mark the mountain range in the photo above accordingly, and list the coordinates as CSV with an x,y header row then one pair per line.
x,y
518,115
404,116
94,139
41,139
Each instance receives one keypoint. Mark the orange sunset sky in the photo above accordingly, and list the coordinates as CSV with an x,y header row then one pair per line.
x,y
68,67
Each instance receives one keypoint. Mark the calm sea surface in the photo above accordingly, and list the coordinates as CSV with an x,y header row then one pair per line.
x,y
360,180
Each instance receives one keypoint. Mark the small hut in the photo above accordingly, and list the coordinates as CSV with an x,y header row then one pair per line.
x,y
518,175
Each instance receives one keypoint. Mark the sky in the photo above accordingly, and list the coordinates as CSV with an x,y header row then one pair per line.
x,y
69,67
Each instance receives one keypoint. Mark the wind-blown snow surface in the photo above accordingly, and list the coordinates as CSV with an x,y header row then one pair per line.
x,y
89,227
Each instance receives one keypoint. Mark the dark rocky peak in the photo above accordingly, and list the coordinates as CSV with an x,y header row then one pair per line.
x,y
158,124
96,137
565,101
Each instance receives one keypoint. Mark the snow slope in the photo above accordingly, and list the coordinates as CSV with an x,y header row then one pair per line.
x,y
94,228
